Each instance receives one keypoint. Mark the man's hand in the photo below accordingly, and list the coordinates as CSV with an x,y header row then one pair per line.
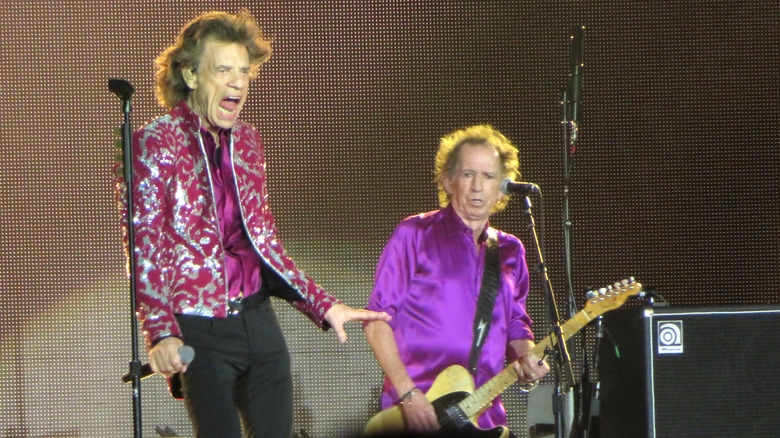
x,y
417,410
419,413
527,366
340,313
164,357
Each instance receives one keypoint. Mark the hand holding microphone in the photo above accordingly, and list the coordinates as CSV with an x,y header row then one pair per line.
x,y
169,356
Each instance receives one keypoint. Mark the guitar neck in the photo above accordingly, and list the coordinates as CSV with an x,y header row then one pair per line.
x,y
568,329
474,403
605,299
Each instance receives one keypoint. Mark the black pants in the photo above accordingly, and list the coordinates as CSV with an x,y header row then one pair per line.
x,y
240,375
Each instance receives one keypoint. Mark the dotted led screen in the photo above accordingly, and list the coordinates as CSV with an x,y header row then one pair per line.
x,y
674,180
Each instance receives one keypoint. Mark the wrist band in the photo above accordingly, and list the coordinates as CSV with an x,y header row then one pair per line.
x,y
408,394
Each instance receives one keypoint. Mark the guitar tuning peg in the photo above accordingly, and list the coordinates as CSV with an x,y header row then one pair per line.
x,y
625,282
631,280
591,294
603,291
617,285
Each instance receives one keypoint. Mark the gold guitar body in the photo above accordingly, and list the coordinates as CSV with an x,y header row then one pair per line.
x,y
450,387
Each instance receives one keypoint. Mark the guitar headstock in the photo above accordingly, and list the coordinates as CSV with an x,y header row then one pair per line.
x,y
611,297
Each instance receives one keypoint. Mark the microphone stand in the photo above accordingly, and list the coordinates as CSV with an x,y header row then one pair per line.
x,y
572,112
124,90
591,420
562,363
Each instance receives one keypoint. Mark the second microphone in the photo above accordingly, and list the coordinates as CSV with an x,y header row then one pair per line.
x,y
509,187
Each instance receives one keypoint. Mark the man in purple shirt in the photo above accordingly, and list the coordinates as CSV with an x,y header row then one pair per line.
x,y
208,255
429,276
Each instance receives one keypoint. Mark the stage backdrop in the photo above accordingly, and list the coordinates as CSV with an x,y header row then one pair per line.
x,y
675,176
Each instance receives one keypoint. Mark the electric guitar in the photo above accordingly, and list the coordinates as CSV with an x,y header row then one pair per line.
x,y
458,405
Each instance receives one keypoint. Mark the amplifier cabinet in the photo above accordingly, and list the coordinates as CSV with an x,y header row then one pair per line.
x,y
709,371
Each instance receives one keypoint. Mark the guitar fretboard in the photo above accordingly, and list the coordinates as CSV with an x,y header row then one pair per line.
x,y
477,401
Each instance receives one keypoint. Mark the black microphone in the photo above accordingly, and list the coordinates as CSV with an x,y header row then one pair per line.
x,y
186,354
121,88
576,65
509,187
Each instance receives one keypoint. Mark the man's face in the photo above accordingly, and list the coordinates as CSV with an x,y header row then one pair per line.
x,y
475,187
219,84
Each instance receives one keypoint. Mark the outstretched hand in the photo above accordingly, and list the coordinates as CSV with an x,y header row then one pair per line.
x,y
341,313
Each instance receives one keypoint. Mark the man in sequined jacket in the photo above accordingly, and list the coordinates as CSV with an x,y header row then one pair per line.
x,y
207,252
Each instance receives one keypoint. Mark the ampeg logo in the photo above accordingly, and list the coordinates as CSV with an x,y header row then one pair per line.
x,y
670,337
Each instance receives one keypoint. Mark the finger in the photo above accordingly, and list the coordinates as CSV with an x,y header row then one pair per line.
x,y
160,367
154,366
367,315
425,421
167,367
524,374
521,371
431,421
415,424
341,334
427,415
540,369
410,414
418,424
176,364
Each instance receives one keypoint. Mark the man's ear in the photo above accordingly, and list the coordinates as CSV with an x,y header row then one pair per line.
x,y
190,77
447,183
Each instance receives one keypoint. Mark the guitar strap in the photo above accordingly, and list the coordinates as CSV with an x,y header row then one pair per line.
x,y
486,301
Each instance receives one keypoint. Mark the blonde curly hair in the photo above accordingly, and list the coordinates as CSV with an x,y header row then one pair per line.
x,y
449,147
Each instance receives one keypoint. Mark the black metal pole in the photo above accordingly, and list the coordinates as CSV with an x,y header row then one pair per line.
x,y
562,363
124,90
572,113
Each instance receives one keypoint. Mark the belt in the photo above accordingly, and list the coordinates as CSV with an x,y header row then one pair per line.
x,y
245,304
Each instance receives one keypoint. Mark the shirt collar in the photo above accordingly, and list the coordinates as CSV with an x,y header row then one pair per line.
x,y
454,224
194,122
188,115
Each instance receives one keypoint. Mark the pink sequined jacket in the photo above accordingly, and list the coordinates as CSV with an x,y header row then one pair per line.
x,y
180,265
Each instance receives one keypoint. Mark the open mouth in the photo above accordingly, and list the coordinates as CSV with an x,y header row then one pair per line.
x,y
228,107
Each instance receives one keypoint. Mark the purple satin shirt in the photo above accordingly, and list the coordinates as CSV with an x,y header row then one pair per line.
x,y
428,279
242,263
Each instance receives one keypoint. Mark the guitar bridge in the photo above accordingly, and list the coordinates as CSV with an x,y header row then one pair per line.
x,y
455,418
